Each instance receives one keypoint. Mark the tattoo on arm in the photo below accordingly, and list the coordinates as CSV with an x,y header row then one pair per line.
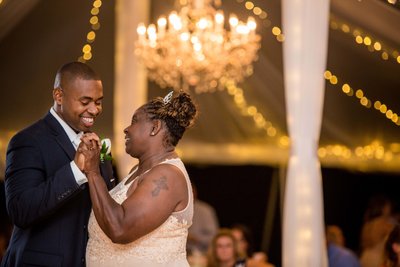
x,y
161,183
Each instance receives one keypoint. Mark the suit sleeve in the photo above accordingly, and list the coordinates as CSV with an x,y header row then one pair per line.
x,y
33,190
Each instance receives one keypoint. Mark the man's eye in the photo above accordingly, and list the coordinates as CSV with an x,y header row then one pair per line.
x,y
85,103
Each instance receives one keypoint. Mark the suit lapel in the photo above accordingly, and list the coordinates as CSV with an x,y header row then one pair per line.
x,y
60,135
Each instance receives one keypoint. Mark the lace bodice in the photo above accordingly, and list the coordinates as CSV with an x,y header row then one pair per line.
x,y
165,244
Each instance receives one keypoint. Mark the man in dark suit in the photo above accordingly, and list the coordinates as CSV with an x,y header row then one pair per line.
x,y
46,192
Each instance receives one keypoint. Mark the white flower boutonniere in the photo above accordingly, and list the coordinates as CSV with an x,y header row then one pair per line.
x,y
105,151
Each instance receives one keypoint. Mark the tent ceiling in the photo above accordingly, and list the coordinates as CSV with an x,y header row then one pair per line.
x,y
223,134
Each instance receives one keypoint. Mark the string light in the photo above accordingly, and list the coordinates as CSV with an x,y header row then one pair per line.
x,y
363,99
374,151
263,16
250,110
341,151
362,38
91,35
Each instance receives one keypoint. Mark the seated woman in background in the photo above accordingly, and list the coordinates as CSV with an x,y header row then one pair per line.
x,y
223,251
378,223
244,239
391,256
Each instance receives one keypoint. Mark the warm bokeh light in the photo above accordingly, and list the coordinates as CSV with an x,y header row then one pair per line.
x,y
257,11
333,79
276,30
346,88
327,74
345,28
94,20
363,37
359,93
364,100
377,104
97,3
263,15
95,11
87,56
96,26
249,5
367,40
91,35
280,38
377,46
86,49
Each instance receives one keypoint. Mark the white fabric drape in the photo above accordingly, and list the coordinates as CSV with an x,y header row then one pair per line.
x,y
305,25
130,90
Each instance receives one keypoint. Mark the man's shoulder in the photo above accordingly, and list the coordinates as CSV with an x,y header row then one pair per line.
x,y
38,129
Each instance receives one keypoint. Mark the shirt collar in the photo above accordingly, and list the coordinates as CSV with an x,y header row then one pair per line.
x,y
72,135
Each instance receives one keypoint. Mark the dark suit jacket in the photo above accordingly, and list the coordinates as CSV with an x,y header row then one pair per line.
x,y
50,211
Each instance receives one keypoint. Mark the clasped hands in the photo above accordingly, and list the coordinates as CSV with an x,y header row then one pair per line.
x,y
87,156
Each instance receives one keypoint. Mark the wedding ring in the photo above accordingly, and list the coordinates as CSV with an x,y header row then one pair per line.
x,y
91,148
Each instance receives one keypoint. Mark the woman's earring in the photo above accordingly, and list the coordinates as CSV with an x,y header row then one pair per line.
x,y
152,134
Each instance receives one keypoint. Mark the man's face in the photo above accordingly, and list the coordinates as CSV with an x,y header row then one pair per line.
x,y
79,103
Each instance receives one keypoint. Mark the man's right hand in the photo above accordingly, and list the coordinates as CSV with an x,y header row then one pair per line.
x,y
80,158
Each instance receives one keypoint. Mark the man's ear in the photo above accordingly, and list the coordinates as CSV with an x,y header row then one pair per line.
x,y
57,95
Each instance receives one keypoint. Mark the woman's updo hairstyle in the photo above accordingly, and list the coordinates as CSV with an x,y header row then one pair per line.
x,y
178,113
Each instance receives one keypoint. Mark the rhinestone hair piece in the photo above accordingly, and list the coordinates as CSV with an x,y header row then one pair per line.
x,y
168,98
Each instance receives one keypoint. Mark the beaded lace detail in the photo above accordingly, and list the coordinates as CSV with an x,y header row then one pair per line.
x,y
164,244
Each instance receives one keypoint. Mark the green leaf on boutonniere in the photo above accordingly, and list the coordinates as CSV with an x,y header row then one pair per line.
x,y
105,151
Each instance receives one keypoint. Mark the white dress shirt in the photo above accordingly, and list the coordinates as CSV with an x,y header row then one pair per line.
x,y
75,139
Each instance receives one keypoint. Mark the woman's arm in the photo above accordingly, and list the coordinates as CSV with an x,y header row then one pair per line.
x,y
151,200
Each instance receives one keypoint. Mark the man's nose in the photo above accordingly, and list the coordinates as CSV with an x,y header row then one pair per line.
x,y
94,109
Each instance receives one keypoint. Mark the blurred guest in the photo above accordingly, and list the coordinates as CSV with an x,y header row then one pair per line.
x,y
391,256
223,251
338,254
244,238
378,222
334,235
205,225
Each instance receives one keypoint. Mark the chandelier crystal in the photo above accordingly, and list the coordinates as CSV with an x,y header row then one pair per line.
x,y
192,48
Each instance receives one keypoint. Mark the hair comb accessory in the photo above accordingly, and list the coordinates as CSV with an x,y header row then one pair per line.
x,y
168,98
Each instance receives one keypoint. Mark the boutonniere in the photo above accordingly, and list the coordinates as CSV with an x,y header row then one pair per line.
x,y
105,151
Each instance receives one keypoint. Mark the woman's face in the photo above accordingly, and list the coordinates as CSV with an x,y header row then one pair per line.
x,y
241,241
137,133
224,249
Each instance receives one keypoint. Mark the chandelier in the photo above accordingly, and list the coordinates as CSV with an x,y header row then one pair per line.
x,y
192,48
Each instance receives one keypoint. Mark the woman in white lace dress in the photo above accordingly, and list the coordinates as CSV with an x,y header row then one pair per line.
x,y
144,220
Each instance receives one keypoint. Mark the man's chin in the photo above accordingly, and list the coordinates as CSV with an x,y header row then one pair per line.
x,y
85,128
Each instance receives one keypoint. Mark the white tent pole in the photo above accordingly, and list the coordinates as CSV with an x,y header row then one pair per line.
x,y
305,25
130,88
